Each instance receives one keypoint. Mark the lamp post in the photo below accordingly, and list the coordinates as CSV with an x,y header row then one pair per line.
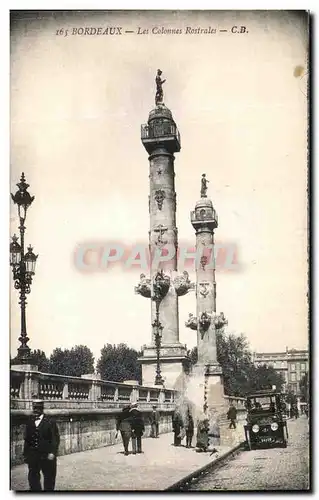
x,y
23,264
158,292
158,328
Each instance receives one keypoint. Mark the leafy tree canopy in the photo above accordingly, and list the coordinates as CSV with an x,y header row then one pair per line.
x,y
119,363
239,373
73,362
304,387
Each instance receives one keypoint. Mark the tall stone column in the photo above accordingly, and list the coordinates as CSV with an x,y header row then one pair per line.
x,y
163,230
206,384
161,139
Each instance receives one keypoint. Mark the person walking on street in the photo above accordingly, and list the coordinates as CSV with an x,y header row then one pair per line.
x,y
124,426
189,429
138,428
41,443
232,415
154,422
178,426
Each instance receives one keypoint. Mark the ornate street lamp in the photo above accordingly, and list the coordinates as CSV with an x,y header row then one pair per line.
x,y
159,290
23,265
158,328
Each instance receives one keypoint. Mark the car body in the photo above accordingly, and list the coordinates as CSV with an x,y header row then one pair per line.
x,y
266,420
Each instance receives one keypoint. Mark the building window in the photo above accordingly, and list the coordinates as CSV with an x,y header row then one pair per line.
x,y
298,366
293,368
293,377
303,367
302,374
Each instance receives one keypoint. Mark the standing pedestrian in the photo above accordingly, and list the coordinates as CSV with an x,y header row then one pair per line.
x,y
202,438
189,429
124,426
232,415
178,426
155,418
138,428
41,443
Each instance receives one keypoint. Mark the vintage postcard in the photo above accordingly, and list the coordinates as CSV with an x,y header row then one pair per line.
x,y
159,250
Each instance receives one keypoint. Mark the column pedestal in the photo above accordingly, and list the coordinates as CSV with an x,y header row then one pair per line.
x,y
172,360
205,391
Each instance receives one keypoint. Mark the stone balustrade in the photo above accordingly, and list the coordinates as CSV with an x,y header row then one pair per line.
x,y
60,391
85,408
238,402
233,437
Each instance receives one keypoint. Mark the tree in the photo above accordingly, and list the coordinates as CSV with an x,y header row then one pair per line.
x,y
75,362
291,398
234,356
304,387
119,363
264,377
38,358
193,355
239,373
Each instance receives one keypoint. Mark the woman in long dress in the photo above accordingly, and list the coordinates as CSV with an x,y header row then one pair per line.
x,y
202,440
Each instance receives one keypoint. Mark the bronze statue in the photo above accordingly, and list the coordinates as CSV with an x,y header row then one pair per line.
x,y
159,88
203,191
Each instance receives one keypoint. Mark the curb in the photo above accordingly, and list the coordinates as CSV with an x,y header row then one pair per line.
x,y
182,484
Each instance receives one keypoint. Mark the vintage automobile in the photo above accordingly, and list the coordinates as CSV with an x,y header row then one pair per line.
x,y
266,421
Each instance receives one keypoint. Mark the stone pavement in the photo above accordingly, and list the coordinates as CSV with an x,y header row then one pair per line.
x,y
265,469
160,466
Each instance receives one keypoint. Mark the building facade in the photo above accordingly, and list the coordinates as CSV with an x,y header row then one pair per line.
x,y
293,364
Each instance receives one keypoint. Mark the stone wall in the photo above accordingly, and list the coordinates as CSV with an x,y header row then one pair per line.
x,y
80,430
233,437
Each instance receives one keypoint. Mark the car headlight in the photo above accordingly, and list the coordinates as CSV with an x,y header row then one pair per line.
x,y
255,428
274,426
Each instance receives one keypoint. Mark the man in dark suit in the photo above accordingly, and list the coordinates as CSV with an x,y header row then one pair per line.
x,y
41,443
155,418
138,429
189,429
232,415
178,425
124,426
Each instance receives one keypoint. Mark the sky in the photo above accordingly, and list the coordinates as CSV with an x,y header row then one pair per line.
x,y
239,101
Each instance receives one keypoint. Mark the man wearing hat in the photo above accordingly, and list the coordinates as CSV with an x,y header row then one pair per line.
x,y
137,428
124,426
41,443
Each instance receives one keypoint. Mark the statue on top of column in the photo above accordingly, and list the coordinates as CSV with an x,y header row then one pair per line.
x,y
159,89
203,191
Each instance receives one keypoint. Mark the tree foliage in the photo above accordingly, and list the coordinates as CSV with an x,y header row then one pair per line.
x,y
264,377
119,363
304,387
239,373
73,362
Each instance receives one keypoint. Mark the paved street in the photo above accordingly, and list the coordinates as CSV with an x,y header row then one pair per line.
x,y
160,466
267,469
